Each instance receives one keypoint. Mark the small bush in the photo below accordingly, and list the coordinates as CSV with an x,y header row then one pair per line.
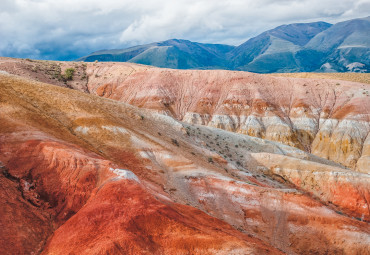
x,y
68,74
175,142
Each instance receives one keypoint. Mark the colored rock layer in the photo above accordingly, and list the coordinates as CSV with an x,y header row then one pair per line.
x,y
328,118
82,174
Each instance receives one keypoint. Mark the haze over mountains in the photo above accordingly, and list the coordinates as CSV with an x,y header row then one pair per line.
x,y
301,47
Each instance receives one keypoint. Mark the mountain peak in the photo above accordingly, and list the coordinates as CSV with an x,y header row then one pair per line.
x,y
299,33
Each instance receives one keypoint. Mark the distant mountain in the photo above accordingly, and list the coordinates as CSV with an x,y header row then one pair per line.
x,y
275,50
345,46
174,53
300,47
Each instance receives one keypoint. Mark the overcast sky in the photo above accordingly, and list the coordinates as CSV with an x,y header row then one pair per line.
x,y
68,29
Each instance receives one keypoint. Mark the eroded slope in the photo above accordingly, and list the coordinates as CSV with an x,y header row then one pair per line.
x,y
77,161
329,118
325,117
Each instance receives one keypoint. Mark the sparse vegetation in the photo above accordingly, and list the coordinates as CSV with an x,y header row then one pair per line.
x,y
175,142
166,104
68,74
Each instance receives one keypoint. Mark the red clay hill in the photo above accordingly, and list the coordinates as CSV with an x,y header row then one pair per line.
x,y
132,159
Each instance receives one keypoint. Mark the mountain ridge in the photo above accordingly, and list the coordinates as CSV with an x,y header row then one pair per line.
x,y
297,47
176,53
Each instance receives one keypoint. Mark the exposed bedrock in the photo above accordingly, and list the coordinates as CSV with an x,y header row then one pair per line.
x,y
349,191
283,217
65,200
73,184
123,218
329,118
47,181
326,117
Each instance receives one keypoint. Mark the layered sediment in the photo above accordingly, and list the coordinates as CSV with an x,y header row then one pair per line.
x,y
329,118
211,162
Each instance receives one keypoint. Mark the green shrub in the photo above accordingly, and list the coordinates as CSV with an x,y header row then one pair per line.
x,y
68,74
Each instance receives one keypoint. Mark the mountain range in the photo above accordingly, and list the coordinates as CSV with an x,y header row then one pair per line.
x,y
299,47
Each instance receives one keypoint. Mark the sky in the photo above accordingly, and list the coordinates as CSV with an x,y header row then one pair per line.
x,y
68,29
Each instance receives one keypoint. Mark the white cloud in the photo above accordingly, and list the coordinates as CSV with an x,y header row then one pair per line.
x,y
69,28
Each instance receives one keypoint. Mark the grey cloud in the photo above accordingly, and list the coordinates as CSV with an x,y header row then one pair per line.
x,y
67,29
